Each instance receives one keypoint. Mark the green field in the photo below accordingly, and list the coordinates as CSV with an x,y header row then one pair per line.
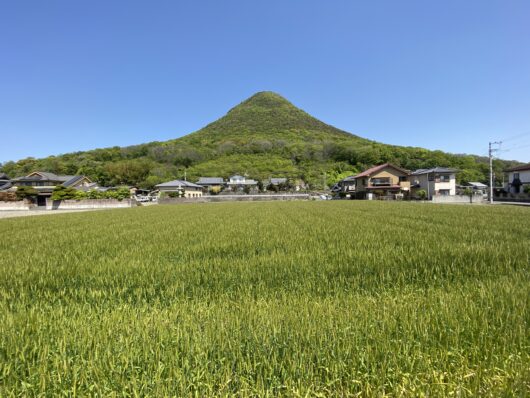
x,y
262,299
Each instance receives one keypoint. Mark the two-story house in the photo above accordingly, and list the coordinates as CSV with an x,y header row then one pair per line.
x,y
438,181
383,181
518,178
45,182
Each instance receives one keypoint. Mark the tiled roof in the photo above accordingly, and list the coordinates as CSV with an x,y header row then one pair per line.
x,y
210,180
177,184
520,168
375,169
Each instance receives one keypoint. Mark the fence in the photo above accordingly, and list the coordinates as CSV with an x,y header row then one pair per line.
x,y
19,205
88,204
475,199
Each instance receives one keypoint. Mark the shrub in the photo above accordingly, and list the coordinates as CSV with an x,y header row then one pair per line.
x,y
60,192
25,192
422,194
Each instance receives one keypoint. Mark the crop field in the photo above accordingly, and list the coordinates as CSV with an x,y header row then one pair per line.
x,y
339,298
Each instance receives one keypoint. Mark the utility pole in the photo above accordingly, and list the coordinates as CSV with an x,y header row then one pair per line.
x,y
490,154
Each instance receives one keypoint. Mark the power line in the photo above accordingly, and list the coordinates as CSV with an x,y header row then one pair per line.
x,y
514,137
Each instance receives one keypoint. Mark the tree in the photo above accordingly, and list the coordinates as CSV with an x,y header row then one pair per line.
x,y
60,192
25,192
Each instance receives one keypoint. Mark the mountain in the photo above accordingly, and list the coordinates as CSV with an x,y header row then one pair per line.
x,y
264,136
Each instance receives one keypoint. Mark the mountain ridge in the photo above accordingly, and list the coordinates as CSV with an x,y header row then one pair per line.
x,y
263,136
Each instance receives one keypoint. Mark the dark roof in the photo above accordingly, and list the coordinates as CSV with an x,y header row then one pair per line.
x,y
520,168
42,175
5,186
177,184
375,169
210,180
433,170
3,176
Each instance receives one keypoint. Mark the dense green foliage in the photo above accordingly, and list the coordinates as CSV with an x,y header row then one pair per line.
x,y
265,136
25,192
61,192
259,299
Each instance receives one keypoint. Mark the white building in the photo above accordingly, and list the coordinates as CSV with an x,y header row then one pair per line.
x,y
239,183
438,181
518,178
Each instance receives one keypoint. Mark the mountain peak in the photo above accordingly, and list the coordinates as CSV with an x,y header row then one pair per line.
x,y
267,112
264,99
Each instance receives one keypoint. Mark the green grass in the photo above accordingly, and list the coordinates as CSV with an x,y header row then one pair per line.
x,y
267,299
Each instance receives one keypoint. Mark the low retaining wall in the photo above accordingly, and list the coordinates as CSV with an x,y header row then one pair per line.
x,y
88,204
475,199
18,205
233,198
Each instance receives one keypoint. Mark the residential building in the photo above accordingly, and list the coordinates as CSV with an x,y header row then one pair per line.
x,y
518,178
240,183
45,182
211,184
385,181
182,188
478,188
438,181
346,185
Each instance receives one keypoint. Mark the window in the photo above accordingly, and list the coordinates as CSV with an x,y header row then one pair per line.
x,y
515,176
402,178
445,178
381,181
444,192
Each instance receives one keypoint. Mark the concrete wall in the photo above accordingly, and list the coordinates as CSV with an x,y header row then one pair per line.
x,y
88,204
476,199
19,205
235,198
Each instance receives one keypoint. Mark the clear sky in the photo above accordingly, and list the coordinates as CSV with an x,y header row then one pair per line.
x,y
449,75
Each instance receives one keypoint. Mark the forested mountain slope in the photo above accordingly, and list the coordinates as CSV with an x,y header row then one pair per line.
x,y
264,136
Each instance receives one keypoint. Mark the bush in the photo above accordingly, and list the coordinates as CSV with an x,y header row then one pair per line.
x,y
422,194
25,192
526,189
60,192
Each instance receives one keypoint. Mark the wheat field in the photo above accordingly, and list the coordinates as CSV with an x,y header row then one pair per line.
x,y
302,299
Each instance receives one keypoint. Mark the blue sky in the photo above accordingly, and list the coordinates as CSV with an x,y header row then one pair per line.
x,y
447,75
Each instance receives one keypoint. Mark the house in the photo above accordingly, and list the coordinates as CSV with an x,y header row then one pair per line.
x,y
181,188
518,178
211,184
240,183
478,188
45,182
275,181
279,183
346,185
385,181
438,181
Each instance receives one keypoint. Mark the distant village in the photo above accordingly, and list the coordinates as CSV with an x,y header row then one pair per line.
x,y
382,182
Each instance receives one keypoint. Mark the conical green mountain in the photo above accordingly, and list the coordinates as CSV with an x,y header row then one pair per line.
x,y
264,136
268,112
